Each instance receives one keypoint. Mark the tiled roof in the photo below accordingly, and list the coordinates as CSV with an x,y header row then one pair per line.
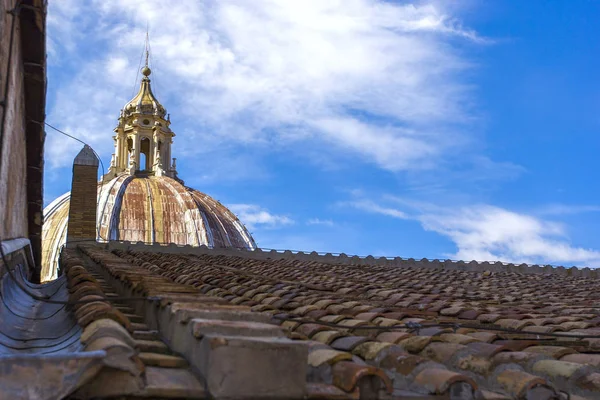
x,y
135,362
71,336
374,331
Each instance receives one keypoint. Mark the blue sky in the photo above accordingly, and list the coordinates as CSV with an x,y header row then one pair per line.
x,y
463,130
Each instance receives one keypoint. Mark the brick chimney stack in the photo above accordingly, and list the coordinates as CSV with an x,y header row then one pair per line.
x,y
84,193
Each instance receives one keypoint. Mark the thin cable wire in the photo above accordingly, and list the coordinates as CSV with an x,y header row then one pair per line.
x,y
137,71
151,57
418,326
79,140
97,156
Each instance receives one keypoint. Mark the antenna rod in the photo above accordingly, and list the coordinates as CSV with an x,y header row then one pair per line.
x,y
147,45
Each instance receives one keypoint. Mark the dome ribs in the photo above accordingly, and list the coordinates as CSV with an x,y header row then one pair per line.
x,y
151,236
54,234
112,195
150,209
219,234
188,226
158,211
232,232
133,225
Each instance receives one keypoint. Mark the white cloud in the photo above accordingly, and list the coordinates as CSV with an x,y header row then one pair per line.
x,y
563,209
485,232
255,216
370,78
372,207
489,233
318,221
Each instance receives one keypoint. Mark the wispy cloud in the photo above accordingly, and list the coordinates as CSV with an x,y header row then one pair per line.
x,y
484,232
563,209
318,221
487,233
255,216
373,207
374,79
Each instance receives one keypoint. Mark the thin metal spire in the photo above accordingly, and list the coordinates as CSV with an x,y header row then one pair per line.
x,y
147,45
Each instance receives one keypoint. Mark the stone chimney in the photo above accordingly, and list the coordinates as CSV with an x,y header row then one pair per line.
x,y
84,193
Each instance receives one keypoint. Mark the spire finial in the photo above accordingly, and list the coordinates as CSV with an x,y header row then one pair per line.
x,y
147,45
146,71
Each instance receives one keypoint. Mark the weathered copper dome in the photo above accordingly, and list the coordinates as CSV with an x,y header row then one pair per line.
x,y
147,209
145,201
144,101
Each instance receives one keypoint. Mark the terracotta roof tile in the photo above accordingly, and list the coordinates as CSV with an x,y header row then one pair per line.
x,y
322,356
489,395
333,318
457,338
486,350
393,337
488,318
370,350
543,329
469,314
487,337
516,324
588,359
518,383
443,381
551,351
441,352
316,314
327,337
309,330
590,382
348,343
556,368
516,345
474,359
415,344
348,375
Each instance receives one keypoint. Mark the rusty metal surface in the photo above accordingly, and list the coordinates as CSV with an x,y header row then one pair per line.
x,y
48,377
33,327
152,210
41,356
231,232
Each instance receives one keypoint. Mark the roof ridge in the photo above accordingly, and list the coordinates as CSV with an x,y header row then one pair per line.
x,y
342,258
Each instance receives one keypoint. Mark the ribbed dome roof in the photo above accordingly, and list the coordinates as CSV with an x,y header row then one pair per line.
x,y
144,101
147,209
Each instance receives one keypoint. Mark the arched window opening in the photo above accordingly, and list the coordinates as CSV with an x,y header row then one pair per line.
x,y
145,155
143,162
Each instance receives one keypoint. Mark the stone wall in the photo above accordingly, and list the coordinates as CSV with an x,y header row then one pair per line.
x,y
13,175
22,113
17,252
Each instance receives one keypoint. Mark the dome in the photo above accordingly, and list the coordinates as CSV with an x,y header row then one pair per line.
x,y
141,198
144,101
150,209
